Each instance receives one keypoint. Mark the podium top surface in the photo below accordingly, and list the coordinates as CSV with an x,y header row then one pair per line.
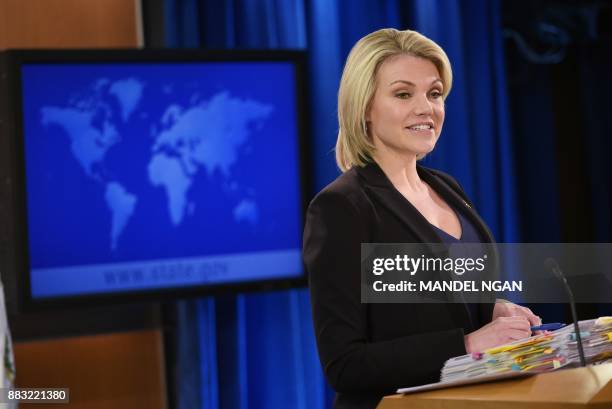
x,y
589,387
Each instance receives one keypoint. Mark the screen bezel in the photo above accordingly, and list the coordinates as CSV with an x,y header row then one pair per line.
x,y
19,236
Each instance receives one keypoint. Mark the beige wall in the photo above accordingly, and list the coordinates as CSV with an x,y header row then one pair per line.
x,y
119,370
70,23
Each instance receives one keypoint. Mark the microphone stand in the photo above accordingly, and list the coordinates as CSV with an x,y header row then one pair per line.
x,y
552,265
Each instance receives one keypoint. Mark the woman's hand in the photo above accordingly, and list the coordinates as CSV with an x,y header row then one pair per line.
x,y
501,330
507,309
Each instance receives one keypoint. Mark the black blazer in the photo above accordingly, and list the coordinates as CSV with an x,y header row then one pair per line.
x,y
369,350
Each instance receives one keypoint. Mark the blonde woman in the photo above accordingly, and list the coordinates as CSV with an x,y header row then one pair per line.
x,y
391,113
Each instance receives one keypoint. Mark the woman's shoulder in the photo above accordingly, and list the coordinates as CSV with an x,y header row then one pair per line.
x,y
345,184
345,191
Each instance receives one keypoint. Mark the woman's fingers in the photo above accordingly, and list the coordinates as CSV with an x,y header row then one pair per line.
x,y
520,323
515,334
534,320
508,309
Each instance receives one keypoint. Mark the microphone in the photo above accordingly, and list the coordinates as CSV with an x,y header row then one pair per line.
x,y
552,265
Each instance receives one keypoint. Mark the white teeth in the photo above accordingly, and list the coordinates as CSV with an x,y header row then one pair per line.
x,y
420,127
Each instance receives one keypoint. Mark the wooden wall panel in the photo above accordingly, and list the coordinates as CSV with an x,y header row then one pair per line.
x,y
70,23
119,370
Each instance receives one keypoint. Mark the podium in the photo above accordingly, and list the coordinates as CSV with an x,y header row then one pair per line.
x,y
589,387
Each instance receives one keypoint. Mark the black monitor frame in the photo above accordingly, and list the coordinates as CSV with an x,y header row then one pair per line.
x,y
14,252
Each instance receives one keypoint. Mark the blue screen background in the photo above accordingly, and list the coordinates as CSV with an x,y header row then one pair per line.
x,y
238,165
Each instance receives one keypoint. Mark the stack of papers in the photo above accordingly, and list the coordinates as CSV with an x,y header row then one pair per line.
x,y
596,341
540,353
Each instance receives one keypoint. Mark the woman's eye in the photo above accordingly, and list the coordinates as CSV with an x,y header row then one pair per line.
x,y
403,95
435,94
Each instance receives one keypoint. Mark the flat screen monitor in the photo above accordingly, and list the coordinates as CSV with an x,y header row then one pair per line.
x,y
140,173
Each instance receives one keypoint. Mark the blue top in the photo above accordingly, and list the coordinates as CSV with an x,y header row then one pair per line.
x,y
468,235
468,231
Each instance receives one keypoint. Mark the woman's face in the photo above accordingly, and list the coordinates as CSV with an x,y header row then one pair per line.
x,y
407,111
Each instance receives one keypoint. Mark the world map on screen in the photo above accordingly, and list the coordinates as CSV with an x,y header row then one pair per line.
x,y
185,143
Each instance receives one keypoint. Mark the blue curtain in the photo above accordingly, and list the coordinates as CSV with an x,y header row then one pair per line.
x,y
258,350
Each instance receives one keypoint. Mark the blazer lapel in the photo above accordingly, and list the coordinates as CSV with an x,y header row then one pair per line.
x,y
389,197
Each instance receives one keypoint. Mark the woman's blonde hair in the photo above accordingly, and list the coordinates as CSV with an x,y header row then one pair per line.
x,y
358,84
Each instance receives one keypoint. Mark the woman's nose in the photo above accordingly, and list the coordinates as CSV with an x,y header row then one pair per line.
x,y
422,105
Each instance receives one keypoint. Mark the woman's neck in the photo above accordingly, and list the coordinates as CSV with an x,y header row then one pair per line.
x,y
402,172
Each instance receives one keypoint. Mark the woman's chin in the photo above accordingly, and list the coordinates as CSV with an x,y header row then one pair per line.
x,y
424,150
419,150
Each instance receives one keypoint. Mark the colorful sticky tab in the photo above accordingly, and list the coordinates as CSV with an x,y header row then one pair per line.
x,y
583,334
497,350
